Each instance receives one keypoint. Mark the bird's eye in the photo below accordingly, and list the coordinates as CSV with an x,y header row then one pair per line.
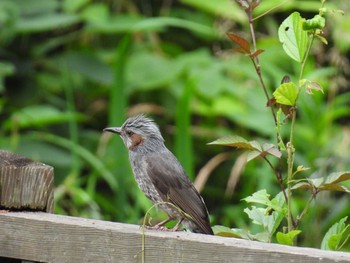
x,y
129,133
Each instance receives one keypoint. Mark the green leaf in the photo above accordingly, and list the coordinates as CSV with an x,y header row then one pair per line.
x,y
329,182
254,148
270,217
322,39
257,215
317,22
271,149
127,24
301,168
6,69
225,231
87,65
252,155
264,236
333,178
259,197
74,5
287,238
98,14
286,94
40,115
260,216
153,71
310,86
36,7
294,39
46,22
237,142
221,8
240,233
334,235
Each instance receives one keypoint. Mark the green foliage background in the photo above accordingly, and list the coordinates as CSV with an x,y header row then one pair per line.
x,y
70,68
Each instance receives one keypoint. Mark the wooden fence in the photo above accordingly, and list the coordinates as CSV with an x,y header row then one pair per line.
x,y
46,237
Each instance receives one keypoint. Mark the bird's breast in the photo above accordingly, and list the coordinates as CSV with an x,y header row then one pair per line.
x,y
139,167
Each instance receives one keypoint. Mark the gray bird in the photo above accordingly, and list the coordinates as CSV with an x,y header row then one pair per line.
x,y
160,176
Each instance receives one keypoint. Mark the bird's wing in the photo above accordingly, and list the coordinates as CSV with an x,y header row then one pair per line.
x,y
173,185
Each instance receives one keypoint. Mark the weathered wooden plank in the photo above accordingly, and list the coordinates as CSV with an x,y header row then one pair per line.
x,y
25,184
46,237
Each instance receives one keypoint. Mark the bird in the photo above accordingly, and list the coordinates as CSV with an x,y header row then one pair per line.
x,y
161,177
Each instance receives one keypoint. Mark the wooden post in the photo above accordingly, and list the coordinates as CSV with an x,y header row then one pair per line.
x,y
25,184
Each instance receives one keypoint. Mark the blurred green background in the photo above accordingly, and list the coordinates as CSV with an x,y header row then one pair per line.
x,y
69,68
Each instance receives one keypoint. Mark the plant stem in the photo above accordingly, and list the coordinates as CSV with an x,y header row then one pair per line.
x,y
290,146
304,210
256,64
279,179
305,56
290,164
255,61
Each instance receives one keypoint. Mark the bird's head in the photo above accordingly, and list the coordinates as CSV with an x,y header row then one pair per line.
x,y
139,132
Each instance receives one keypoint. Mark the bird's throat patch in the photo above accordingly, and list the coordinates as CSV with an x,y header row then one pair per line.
x,y
136,140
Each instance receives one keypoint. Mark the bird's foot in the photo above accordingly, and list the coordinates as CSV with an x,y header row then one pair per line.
x,y
160,226
163,228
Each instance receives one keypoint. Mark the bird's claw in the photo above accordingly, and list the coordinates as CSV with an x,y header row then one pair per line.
x,y
162,228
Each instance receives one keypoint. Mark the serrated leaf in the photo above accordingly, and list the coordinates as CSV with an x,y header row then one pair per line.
x,y
256,214
271,149
269,222
334,187
263,198
329,182
240,41
333,178
252,155
237,142
286,94
302,185
334,235
259,197
287,238
269,217
294,39
254,148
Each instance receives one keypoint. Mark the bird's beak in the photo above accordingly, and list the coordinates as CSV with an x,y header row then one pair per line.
x,y
113,129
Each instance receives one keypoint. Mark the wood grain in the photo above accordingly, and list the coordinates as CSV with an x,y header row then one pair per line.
x,y
25,184
46,237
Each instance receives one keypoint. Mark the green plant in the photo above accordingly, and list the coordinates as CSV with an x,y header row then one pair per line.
x,y
297,36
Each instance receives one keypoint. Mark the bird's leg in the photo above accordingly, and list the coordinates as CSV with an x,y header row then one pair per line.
x,y
176,227
160,225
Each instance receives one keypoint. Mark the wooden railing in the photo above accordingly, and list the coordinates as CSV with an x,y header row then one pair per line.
x,y
44,237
